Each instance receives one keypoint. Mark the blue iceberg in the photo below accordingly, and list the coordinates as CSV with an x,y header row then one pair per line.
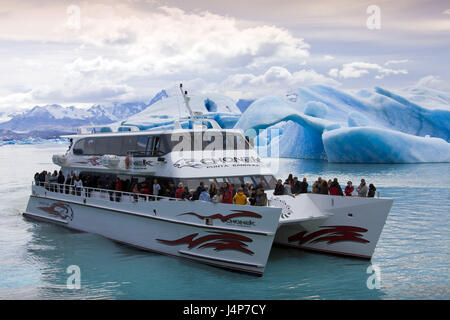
x,y
375,145
163,113
374,126
273,114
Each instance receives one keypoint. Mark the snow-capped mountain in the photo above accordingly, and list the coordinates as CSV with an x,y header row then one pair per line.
x,y
54,118
57,118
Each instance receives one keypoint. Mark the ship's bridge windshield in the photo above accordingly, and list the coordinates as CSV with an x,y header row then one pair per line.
x,y
157,145
268,181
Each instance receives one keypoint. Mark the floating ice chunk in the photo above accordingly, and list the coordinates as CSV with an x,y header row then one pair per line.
x,y
375,145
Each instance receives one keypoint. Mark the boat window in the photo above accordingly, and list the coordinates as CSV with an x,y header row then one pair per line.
x,y
270,181
228,142
89,146
108,145
161,145
78,148
128,144
234,180
154,146
248,180
240,143
148,150
141,145
210,140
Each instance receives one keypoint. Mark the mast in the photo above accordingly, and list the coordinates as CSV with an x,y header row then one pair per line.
x,y
186,101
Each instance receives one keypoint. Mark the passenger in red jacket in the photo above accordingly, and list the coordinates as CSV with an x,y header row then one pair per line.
x,y
335,188
118,187
145,189
179,191
118,184
227,196
349,189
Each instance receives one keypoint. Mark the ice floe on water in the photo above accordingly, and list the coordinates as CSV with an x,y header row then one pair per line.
x,y
370,144
32,141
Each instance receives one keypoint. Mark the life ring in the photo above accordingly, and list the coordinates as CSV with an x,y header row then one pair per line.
x,y
127,162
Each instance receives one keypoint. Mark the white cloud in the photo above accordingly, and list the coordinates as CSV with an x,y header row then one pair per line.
x,y
70,93
121,49
446,11
276,80
395,62
171,40
358,69
130,50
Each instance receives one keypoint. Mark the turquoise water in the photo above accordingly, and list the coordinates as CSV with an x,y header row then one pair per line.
x,y
412,255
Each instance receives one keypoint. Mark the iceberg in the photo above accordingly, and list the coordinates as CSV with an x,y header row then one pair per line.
x,y
374,126
265,115
164,112
268,111
375,145
282,140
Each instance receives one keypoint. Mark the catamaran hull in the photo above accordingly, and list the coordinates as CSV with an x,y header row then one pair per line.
x,y
340,225
228,236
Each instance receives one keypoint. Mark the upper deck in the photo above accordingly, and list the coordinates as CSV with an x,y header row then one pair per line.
x,y
201,150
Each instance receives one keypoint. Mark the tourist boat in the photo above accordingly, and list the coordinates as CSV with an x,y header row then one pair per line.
x,y
231,236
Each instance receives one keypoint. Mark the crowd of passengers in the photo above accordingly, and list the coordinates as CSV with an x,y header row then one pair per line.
x,y
226,193
292,186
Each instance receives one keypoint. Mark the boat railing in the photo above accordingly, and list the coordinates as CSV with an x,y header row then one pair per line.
x,y
105,194
99,193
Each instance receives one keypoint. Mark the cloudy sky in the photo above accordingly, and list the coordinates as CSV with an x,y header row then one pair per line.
x,y
85,52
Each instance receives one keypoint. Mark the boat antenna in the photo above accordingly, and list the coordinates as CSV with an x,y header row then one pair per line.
x,y
186,101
